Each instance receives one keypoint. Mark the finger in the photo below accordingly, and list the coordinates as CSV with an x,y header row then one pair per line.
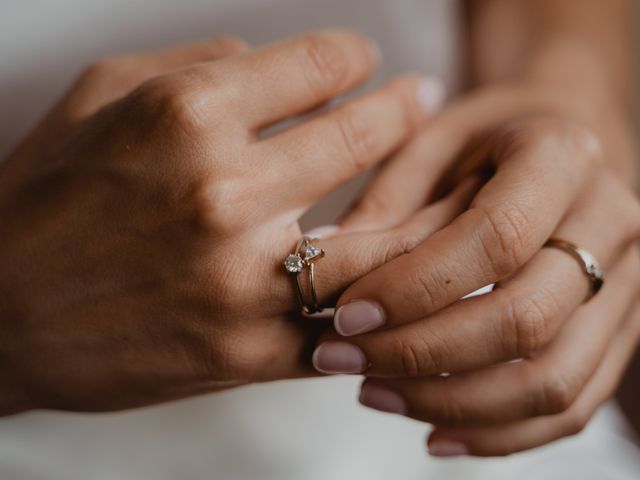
x,y
391,199
316,156
357,253
156,62
542,167
545,384
114,77
531,433
288,77
514,321
352,255
412,177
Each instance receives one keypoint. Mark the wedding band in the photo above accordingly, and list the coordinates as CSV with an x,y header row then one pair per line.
x,y
587,261
303,259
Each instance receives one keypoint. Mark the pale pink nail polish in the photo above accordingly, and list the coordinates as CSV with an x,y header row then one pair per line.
x,y
447,448
358,316
383,399
431,95
339,357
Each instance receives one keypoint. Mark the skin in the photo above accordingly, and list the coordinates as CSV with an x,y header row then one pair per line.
x,y
555,131
126,278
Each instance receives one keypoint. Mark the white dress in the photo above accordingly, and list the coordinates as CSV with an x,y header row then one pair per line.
x,y
293,430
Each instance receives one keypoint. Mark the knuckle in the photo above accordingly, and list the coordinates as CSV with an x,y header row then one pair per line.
x,y
426,285
400,244
572,141
448,411
507,241
357,136
416,358
327,64
168,103
530,319
410,360
229,44
580,143
430,288
556,394
575,422
101,68
180,109
584,144
210,208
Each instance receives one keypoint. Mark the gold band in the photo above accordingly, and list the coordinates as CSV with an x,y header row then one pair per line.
x,y
587,261
302,259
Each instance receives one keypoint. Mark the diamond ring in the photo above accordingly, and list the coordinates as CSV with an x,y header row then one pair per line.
x,y
302,259
588,263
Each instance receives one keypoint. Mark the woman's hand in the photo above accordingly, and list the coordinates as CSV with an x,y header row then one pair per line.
x,y
553,178
144,223
550,114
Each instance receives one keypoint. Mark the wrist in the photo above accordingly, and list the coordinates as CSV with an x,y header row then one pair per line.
x,y
578,78
545,85
595,108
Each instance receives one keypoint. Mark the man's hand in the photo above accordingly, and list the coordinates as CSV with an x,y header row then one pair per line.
x,y
144,223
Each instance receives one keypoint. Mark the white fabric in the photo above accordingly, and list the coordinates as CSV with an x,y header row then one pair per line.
x,y
293,430
310,429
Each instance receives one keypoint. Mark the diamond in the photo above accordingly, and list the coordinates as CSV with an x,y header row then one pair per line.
x,y
293,263
311,252
594,270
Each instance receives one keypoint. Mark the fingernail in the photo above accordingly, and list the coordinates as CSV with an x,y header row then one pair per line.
x,y
323,231
339,357
383,399
447,448
431,95
358,316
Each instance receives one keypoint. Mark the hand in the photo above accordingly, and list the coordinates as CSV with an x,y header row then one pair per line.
x,y
144,224
552,179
